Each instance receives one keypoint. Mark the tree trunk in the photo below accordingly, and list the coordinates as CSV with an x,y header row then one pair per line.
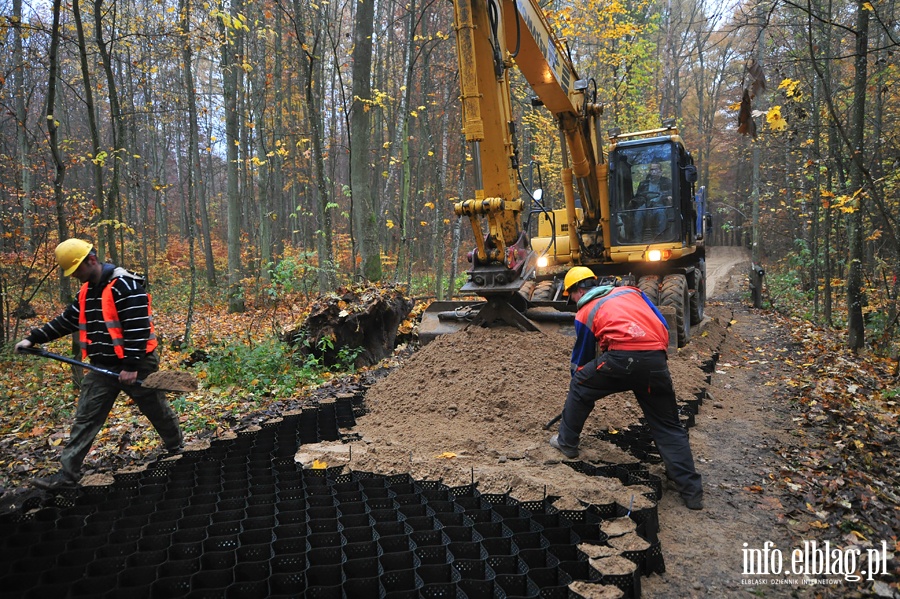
x,y
456,236
307,56
439,208
365,217
23,148
404,252
816,199
856,328
97,165
196,188
109,210
266,257
280,217
754,192
232,192
62,225
193,158
256,48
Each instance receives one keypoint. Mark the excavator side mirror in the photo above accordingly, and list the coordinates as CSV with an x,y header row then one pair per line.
x,y
690,173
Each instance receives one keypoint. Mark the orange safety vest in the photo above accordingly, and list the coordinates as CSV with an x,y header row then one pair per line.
x,y
111,319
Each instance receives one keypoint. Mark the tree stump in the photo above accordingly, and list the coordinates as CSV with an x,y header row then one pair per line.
x,y
364,318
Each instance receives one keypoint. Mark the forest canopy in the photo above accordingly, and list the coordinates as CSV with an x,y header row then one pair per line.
x,y
257,149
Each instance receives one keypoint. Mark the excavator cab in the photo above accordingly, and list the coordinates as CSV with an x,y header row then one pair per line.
x,y
644,191
651,198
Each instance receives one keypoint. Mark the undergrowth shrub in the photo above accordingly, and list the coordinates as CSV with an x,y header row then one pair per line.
x,y
269,368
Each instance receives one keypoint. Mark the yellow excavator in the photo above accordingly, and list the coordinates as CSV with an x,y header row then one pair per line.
x,y
631,214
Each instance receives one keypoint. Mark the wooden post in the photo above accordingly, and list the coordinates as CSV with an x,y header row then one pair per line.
x,y
756,282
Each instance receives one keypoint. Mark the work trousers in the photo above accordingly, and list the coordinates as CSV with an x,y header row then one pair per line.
x,y
98,394
646,374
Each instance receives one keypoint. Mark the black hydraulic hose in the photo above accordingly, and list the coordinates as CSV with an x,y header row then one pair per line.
x,y
518,30
494,18
540,203
543,209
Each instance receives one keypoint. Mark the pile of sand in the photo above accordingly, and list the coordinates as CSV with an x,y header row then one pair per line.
x,y
471,406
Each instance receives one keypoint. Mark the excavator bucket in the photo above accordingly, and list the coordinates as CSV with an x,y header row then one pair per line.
x,y
443,317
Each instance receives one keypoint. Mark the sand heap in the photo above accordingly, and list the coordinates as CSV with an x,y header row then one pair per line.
x,y
471,407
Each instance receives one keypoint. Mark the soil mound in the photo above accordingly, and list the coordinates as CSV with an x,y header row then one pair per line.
x,y
470,408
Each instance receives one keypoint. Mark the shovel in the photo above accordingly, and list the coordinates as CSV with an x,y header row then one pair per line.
x,y
552,422
164,381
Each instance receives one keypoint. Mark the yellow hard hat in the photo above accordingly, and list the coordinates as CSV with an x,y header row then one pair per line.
x,y
70,254
576,275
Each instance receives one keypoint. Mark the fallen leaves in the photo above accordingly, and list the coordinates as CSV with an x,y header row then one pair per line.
x,y
845,467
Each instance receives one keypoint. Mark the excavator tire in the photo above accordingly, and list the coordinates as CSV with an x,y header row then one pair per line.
x,y
527,289
698,299
650,286
543,292
674,293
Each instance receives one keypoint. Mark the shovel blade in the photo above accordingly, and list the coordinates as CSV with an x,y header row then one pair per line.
x,y
171,381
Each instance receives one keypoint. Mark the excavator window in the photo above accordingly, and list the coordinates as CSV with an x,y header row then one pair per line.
x,y
644,194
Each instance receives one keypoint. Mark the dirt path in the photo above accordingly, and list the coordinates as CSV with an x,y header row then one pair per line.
x,y
743,425
739,425
720,261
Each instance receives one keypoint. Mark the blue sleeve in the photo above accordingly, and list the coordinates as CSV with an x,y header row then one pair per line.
x,y
585,348
656,311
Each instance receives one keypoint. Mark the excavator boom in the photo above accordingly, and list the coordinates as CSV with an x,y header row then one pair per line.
x,y
492,37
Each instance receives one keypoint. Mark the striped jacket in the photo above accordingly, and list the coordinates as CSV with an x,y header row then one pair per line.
x,y
622,319
133,305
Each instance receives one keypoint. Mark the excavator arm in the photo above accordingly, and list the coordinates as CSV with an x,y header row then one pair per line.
x,y
492,37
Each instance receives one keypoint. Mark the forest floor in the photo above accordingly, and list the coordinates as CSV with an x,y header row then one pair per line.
x,y
761,420
795,440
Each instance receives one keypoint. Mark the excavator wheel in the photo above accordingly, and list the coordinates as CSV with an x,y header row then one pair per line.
x,y
698,299
543,292
674,293
650,286
527,289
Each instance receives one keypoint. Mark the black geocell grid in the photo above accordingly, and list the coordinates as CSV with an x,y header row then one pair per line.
x,y
637,440
242,519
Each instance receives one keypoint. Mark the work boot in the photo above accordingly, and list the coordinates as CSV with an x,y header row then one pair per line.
x,y
171,452
54,482
569,452
175,450
694,503
671,485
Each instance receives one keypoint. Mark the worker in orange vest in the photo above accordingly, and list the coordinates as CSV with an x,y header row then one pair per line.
x,y
115,330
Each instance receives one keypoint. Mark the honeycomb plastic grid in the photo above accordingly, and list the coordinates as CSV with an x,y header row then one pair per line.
x,y
637,439
238,521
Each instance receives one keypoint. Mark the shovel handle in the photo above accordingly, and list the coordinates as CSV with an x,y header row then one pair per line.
x,y
39,351
552,422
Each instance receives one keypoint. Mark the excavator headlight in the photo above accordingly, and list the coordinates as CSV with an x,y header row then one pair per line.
x,y
542,262
658,255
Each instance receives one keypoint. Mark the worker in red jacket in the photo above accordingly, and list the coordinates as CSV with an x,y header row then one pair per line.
x,y
632,338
